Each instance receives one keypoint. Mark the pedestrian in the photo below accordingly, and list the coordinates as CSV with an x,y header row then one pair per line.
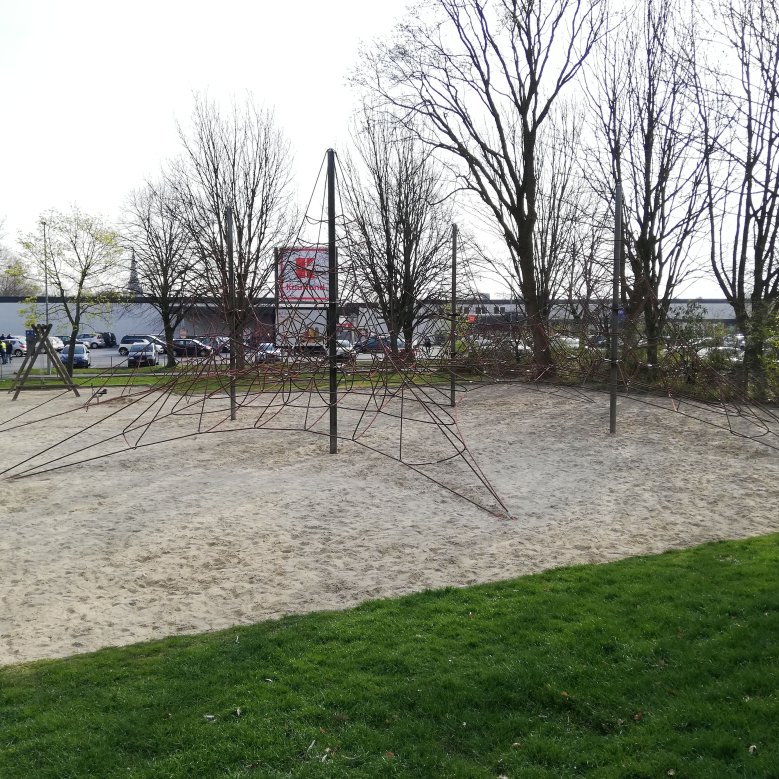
x,y
3,356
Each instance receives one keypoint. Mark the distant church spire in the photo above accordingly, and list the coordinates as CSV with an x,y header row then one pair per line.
x,y
134,285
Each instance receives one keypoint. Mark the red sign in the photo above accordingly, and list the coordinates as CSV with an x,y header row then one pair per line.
x,y
304,267
303,275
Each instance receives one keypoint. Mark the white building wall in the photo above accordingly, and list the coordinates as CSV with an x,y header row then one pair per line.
x,y
118,319
143,318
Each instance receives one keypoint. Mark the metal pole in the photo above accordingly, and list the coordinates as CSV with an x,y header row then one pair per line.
x,y
452,334
46,286
231,292
276,296
615,307
332,305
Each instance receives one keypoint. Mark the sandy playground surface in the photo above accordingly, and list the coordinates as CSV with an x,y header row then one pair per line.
x,y
210,531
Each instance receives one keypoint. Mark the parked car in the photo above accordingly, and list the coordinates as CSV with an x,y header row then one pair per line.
x,y
81,358
128,340
141,354
736,341
344,347
92,340
18,345
375,343
567,341
189,347
220,344
721,354
56,343
159,343
320,350
267,352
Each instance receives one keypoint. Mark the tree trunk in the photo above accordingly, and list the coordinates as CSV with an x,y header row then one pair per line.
x,y
653,331
755,333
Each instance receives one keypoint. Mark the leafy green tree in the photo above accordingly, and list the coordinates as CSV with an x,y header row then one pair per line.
x,y
15,278
82,258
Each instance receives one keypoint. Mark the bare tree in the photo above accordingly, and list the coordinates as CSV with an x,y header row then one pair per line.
x,y
570,229
648,119
164,257
239,160
482,78
82,259
398,223
743,175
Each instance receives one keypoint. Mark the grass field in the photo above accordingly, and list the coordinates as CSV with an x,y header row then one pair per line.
x,y
647,667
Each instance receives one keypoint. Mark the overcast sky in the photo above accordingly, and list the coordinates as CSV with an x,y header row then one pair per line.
x,y
90,90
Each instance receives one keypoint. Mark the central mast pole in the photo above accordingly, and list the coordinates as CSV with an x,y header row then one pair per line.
x,y
332,305
231,295
615,309
453,323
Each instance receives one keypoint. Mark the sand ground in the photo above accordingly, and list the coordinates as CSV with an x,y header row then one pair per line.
x,y
215,530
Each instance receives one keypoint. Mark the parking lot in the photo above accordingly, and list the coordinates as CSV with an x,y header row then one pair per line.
x,y
102,359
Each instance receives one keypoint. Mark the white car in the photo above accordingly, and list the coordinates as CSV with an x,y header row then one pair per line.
x,y
92,340
721,353
143,353
56,343
18,345
344,348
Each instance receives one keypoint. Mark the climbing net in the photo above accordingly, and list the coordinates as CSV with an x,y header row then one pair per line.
x,y
392,397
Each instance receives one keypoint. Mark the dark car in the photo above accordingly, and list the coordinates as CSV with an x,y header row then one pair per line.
x,y
218,343
375,343
320,351
141,354
189,347
81,357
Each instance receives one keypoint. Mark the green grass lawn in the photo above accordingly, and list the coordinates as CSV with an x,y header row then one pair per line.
x,y
648,667
194,381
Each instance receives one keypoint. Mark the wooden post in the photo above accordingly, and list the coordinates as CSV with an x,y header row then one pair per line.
x,y
42,345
